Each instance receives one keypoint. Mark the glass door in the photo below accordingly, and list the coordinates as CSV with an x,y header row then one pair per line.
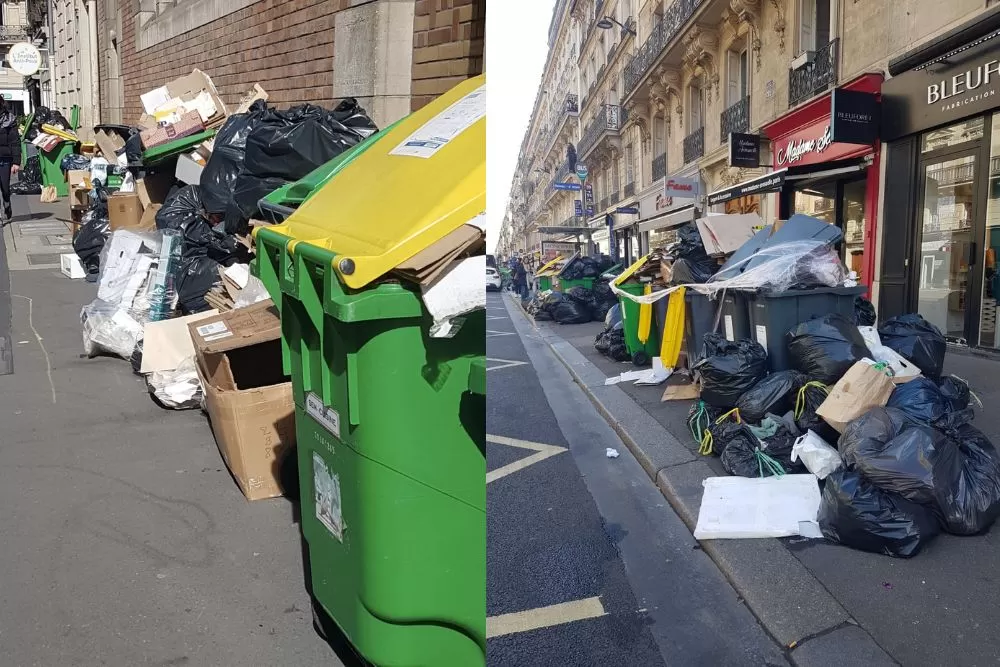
x,y
946,252
989,331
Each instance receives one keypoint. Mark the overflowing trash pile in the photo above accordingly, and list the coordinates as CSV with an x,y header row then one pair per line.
x,y
165,242
585,295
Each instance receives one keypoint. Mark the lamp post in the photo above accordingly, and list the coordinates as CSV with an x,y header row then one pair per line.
x,y
608,22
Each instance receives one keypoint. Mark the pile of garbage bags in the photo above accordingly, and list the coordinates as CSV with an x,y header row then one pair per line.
x,y
586,267
263,149
611,340
577,305
45,116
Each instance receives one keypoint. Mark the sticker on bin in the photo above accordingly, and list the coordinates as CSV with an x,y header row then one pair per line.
x,y
438,131
326,492
730,335
327,417
761,335
214,331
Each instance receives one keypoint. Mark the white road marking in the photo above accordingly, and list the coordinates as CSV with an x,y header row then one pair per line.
x,y
542,452
544,617
490,334
505,363
495,317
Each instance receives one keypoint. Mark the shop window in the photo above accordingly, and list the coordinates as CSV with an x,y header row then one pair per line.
x,y
989,332
953,135
661,238
814,24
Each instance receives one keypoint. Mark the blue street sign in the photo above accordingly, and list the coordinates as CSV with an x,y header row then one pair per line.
x,y
578,207
566,186
627,209
589,196
590,210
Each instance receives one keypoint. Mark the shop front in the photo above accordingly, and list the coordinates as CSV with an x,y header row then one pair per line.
x,y
816,176
941,123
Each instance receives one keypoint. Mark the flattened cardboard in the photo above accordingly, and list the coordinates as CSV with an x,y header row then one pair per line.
x,y
259,323
109,143
254,94
724,234
428,264
681,392
168,342
188,87
148,220
153,188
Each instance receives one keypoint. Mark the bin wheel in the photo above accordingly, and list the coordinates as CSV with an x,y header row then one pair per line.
x,y
331,634
640,358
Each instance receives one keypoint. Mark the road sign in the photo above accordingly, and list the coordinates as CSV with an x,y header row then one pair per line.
x,y
566,186
578,207
582,171
627,209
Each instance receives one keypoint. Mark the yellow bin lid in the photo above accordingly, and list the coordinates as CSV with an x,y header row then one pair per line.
x,y
422,180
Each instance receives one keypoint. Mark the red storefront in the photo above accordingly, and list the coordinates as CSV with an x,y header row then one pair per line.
x,y
835,182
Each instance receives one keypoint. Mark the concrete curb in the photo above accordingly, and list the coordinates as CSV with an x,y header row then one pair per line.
x,y
788,601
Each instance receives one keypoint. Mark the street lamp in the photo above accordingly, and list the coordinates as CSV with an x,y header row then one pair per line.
x,y
607,23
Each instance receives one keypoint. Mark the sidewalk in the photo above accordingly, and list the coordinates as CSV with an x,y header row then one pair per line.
x,y
937,608
126,541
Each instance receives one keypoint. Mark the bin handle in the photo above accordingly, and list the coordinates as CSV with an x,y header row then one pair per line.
x,y
353,411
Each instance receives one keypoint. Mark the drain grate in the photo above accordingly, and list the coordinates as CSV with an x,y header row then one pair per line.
x,y
43,258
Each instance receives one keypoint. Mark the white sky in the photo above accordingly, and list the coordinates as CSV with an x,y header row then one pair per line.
x,y
516,36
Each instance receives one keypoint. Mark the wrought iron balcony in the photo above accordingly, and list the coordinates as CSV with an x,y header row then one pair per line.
x,y
659,167
814,78
609,120
694,145
614,198
629,29
630,189
562,175
735,119
665,30
10,34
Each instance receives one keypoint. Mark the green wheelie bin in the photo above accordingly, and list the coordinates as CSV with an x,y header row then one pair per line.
x,y
390,419
642,353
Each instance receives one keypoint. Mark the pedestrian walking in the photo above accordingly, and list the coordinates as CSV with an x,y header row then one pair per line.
x,y
521,280
10,155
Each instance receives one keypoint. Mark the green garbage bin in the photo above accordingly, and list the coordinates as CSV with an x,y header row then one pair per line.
x,y
641,353
544,283
390,420
566,285
51,164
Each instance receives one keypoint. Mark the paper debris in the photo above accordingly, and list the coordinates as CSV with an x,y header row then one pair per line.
x,y
611,453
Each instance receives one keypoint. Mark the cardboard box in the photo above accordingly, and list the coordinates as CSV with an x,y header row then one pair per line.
x,y
153,188
124,211
109,143
148,220
862,388
71,266
186,89
188,170
190,123
79,188
247,395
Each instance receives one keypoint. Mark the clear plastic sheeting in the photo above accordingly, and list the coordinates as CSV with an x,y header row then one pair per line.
x,y
178,389
108,329
777,268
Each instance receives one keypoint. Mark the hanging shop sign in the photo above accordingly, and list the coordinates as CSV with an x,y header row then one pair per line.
x,y
590,210
854,117
577,207
588,194
675,186
566,186
943,91
744,150
657,203
24,58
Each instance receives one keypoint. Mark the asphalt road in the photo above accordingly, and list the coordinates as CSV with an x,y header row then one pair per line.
x,y
587,564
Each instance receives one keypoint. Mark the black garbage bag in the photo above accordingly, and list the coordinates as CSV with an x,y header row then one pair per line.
x,y
922,400
689,244
743,454
218,179
200,238
775,393
693,272
956,391
617,350
90,240
604,301
293,143
974,501
602,343
581,295
864,312
809,398
543,316
728,370
855,513
779,447
702,419
599,310
32,172
247,192
181,208
74,161
917,340
195,275
826,347
551,300
571,312
22,188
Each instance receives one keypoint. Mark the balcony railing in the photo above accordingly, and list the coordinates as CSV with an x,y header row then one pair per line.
x,y
630,189
694,145
735,119
614,198
14,33
609,120
659,167
668,27
815,77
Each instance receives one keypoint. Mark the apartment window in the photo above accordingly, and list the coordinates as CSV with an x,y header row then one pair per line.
x,y
814,24
659,143
629,164
696,107
616,182
738,74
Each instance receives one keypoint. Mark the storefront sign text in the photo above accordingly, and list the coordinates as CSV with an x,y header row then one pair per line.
x,y
681,187
854,116
795,150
